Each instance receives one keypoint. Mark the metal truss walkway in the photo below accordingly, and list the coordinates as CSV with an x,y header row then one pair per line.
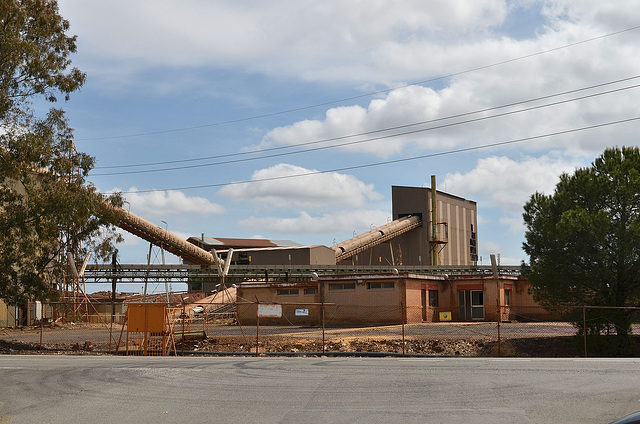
x,y
179,273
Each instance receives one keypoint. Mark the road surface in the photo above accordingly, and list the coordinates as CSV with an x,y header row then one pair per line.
x,y
107,389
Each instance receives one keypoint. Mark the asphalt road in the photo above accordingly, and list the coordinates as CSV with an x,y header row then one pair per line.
x,y
90,389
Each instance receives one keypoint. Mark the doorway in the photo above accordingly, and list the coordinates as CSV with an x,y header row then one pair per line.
x,y
470,305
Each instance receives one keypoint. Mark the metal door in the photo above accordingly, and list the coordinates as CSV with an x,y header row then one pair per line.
x,y
477,304
470,305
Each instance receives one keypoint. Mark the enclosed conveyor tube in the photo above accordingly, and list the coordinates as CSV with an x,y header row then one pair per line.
x,y
170,242
378,235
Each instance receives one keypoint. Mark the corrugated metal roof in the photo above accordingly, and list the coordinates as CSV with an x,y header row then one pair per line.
x,y
276,248
217,242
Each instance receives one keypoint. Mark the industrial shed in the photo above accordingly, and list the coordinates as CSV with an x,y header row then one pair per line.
x,y
386,299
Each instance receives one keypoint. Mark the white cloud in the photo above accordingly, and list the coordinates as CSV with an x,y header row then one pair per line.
x,y
169,202
130,239
581,65
342,46
327,190
490,247
509,183
309,39
514,223
330,223
502,257
401,107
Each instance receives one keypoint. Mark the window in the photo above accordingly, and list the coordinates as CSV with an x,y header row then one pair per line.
x,y
507,298
433,298
343,286
310,291
374,286
287,292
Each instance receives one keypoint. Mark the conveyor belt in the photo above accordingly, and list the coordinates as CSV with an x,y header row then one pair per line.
x,y
362,242
151,232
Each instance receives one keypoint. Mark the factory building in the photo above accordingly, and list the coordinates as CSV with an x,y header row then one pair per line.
x,y
447,236
429,228
390,299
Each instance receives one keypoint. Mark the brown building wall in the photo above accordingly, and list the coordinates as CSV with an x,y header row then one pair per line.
x,y
347,300
307,255
390,299
273,294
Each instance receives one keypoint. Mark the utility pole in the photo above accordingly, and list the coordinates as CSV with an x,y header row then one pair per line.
x,y
434,222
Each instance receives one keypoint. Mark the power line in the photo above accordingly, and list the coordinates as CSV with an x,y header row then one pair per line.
x,y
394,161
373,131
301,108
383,136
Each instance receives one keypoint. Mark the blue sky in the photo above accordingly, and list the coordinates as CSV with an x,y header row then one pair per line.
x,y
190,84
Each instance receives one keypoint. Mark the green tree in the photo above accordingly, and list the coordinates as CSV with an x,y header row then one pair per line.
x,y
583,242
46,202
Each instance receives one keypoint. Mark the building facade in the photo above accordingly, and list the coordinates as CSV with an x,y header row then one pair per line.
x,y
389,299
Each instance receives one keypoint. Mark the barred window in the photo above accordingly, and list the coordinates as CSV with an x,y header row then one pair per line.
x,y
374,286
287,292
342,286
507,298
310,291
433,298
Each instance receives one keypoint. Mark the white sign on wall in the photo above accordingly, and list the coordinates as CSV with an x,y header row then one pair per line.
x,y
302,312
269,311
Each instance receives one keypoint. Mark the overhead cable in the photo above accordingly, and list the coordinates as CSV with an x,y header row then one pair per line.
x,y
382,137
394,161
317,105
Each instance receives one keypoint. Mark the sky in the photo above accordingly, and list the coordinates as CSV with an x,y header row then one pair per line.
x,y
292,119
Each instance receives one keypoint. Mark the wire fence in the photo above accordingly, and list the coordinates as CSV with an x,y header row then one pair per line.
x,y
328,329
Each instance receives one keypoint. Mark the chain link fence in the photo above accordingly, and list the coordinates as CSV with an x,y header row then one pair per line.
x,y
328,329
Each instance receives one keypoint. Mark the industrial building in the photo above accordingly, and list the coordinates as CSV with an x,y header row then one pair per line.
x,y
429,228
394,273
388,299
447,234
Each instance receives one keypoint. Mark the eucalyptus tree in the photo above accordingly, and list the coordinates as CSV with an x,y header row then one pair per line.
x,y
44,193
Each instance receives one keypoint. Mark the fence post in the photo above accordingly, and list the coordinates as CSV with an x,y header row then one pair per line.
x,y
257,326
404,311
322,307
184,317
114,265
110,333
584,328
499,336
496,277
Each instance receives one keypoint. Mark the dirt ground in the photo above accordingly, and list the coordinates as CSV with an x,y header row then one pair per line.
x,y
547,347
526,347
